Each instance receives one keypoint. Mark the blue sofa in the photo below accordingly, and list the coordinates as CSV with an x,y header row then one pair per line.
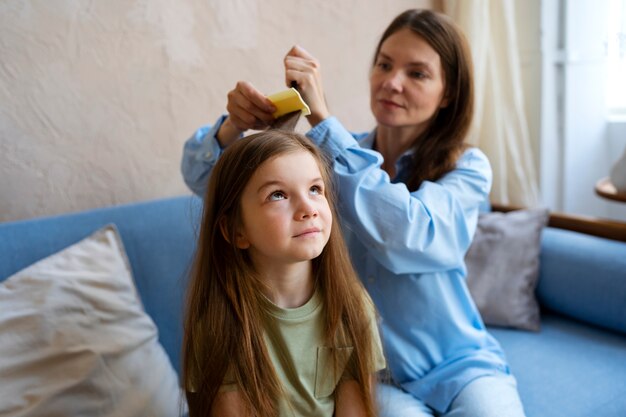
x,y
575,366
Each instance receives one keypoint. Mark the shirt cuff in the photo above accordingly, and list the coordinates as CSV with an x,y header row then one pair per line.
x,y
332,136
209,147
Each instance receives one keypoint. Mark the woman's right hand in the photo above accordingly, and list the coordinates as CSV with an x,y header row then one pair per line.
x,y
247,109
304,69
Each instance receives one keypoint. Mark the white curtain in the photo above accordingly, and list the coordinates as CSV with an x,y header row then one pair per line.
x,y
500,125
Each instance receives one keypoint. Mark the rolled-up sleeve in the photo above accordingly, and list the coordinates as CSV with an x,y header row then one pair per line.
x,y
200,154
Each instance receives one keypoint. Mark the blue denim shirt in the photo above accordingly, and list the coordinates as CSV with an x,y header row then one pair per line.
x,y
408,248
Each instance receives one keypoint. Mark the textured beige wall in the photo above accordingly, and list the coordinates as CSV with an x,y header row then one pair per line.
x,y
97,97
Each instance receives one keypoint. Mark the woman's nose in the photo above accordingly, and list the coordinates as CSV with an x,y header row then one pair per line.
x,y
393,81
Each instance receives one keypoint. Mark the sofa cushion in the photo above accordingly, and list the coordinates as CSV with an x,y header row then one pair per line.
x,y
76,340
159,238
503,267
584,277
568,369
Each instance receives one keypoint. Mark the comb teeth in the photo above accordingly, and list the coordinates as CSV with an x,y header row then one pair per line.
x,y
287,121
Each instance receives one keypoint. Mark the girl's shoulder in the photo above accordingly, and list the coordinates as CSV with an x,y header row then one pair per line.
x,y
368,304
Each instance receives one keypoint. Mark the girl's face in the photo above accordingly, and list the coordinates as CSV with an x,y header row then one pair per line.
x,y
407,82
285,215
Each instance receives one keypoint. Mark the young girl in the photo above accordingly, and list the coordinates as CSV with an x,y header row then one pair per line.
x,y
277,322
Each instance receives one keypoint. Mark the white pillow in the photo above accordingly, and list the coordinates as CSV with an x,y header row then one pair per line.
x,y
75,340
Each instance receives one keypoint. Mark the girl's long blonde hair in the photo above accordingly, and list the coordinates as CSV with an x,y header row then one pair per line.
x,y
224,317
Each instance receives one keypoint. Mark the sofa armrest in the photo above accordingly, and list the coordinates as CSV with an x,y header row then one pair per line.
x,y
583,277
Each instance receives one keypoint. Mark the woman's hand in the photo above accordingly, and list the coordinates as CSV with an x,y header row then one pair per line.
x,y
304,69
247,109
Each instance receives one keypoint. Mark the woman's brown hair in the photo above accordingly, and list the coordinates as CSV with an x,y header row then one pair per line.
x,y
224,318
437,149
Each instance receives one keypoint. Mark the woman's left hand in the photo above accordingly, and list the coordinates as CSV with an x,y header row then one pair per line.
x,y
304,69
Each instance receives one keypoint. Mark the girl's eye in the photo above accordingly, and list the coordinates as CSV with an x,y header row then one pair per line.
x,y
417,74
317,190
276,196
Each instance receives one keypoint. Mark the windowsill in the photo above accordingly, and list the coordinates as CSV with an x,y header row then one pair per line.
x,y
616,119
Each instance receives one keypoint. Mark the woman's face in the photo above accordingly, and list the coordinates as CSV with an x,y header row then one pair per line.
x,y
407,82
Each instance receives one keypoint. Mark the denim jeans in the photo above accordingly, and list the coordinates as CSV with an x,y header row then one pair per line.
x,y
488,396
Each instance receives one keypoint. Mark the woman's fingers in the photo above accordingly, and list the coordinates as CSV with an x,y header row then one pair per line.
x,y
299,65
248,108
300,52
305,70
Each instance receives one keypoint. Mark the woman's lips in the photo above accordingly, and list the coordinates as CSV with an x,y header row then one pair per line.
x,y
390,104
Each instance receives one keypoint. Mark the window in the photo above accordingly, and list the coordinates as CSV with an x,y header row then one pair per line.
x,y
616,54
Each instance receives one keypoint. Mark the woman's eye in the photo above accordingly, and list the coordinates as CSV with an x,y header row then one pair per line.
x,y
276,196
417,74
385,66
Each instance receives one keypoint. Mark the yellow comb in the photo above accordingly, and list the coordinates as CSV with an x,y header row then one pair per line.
x,y
288,101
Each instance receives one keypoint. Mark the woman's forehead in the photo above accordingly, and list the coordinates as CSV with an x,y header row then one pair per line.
x,y
408,44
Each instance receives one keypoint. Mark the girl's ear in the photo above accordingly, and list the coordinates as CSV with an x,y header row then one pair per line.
x,y
240,240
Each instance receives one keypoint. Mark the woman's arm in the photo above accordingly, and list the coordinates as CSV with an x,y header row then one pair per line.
x,y
426,230
430,228
247,109
200,154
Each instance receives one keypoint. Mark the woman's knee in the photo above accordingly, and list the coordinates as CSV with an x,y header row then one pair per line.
x,y
393,401
488,396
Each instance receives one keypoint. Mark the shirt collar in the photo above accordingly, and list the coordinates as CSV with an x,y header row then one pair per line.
x,y
368,143
403,163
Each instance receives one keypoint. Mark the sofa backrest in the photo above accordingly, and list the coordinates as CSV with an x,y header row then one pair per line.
x,y
159,239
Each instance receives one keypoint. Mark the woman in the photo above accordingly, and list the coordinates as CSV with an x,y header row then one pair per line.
x,y
410,192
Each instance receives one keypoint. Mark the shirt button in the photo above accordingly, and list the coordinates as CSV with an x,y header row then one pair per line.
x,y
208,155
370,279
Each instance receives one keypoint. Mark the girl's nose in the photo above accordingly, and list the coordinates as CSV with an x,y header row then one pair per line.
x,y
306,210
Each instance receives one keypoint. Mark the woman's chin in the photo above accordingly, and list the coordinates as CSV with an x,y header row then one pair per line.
x,y
387,120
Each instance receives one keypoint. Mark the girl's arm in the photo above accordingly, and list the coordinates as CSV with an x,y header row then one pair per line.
x,y
349,402
229,404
